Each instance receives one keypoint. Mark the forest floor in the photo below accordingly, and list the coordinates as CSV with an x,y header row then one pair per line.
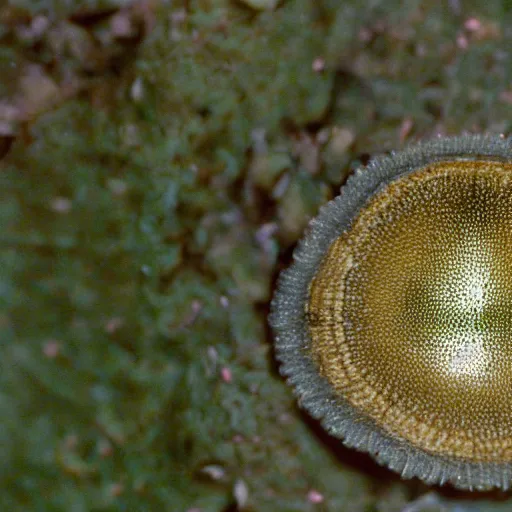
x,y
159,162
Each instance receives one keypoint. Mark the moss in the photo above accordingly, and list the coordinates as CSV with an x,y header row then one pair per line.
x,y
63,8
137,252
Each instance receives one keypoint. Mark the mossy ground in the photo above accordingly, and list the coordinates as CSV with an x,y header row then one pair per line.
x,y
157,182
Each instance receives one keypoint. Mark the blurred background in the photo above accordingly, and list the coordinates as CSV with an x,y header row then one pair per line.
x,y
159,160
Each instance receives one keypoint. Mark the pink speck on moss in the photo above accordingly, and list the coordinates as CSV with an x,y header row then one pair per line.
x,y
473,24
226,375
405,128
462,41
315,497
114,324
318,65
51,349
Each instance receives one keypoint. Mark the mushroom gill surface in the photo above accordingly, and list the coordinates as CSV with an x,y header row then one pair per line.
x,y
411,310
394,323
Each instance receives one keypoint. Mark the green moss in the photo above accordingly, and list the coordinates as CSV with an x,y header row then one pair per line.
x,y
62,8
140,239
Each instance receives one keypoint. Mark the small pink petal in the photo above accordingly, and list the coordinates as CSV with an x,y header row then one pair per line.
x,y
473,24
315,497
226,375
318,65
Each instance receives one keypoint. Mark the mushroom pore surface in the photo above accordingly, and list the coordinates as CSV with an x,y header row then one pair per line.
x,y
410,311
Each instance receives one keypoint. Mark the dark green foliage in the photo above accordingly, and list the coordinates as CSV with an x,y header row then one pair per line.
x,y
141,235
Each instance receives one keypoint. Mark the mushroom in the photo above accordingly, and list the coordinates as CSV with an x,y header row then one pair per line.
x,y
394,322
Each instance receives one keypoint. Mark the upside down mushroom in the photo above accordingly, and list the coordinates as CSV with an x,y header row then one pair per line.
x,y
394,321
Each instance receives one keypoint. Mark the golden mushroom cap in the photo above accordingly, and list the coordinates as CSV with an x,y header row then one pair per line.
x,y
394,323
